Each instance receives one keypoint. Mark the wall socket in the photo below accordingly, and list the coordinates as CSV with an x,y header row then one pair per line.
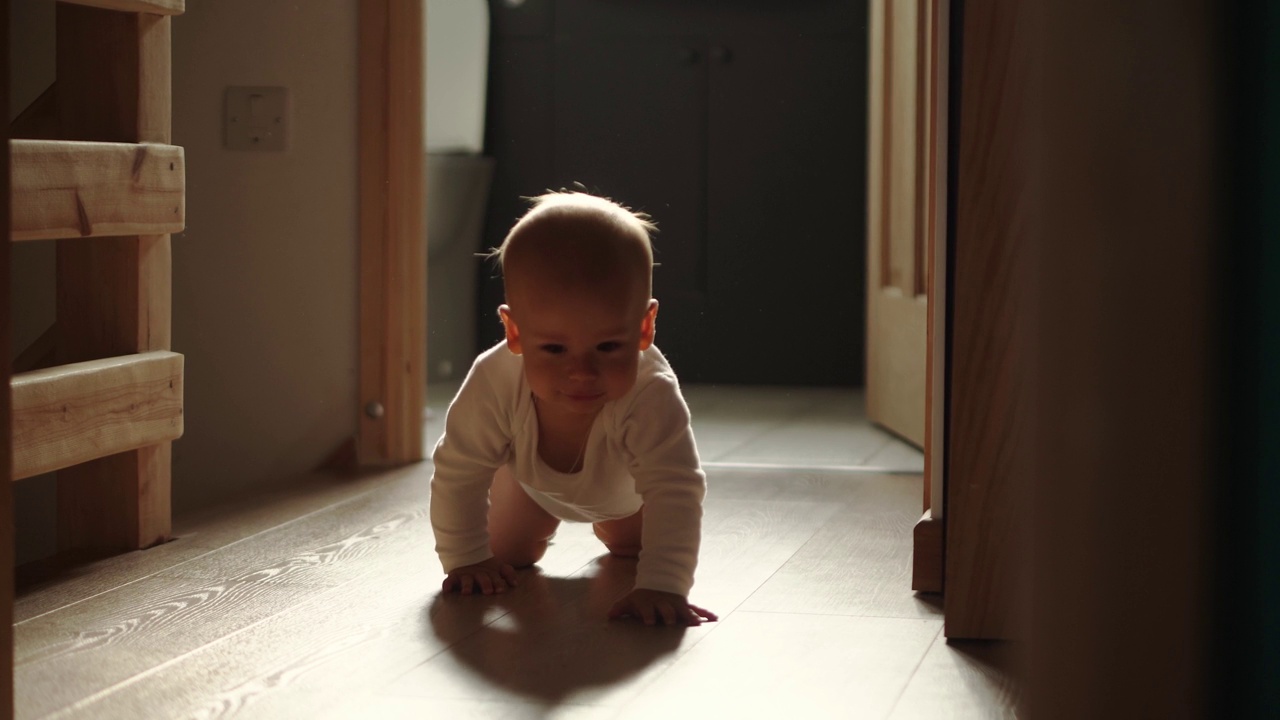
x,y
257,118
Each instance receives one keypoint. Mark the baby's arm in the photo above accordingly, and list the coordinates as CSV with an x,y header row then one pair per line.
x,y
474,444
670,479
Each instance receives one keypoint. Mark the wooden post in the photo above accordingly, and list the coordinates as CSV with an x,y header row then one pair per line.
x,y
6,486
113,293
392,236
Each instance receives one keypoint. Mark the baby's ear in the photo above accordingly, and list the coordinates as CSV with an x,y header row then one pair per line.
x,y
648,326
513,332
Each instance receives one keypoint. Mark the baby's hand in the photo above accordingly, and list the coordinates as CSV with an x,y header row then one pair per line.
x,y
489,575
650,606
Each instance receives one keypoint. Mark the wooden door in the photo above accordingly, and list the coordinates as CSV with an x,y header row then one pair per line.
x,y
900,172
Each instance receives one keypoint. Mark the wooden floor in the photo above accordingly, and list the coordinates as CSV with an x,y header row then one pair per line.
x,y
323,602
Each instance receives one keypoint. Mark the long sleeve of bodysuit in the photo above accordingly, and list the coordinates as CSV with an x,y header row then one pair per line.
x,y
475,443
658,438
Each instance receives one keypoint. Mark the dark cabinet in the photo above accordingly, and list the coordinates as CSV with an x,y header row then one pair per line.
x,y
746,144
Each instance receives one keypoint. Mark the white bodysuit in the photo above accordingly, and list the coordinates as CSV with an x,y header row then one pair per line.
x,y
640,452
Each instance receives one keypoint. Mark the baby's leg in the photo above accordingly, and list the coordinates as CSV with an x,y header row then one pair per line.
x,y
519,529
622,536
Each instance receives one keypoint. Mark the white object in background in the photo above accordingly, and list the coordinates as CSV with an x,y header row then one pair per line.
x,y
457,57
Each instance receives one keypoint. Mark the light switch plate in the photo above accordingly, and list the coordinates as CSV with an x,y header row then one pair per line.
x,y
257,118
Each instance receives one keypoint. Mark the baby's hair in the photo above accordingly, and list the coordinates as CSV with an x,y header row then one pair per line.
x,y
608,207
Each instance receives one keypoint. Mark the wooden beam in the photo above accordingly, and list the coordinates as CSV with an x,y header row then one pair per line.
x,y
40,120
70,414
64,189
114,85
7,548
155,7
392,240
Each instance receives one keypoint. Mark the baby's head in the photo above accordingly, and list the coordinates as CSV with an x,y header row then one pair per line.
x,y
577,271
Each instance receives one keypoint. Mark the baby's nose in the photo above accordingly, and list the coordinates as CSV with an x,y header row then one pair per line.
x,y
583,367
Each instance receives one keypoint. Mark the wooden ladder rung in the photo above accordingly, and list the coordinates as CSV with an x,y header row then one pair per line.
x,y
156,7
70,414
68,189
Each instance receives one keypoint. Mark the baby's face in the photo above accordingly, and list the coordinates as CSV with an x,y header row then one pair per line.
x,y
581,347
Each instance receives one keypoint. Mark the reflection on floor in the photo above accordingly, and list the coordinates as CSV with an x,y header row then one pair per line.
x,y
324,602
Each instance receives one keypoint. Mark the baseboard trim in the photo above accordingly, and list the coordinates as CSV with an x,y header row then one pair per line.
x,y
926,560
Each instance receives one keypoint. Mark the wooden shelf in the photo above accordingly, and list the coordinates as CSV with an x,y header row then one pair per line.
x,y
66,189
155,7
70,414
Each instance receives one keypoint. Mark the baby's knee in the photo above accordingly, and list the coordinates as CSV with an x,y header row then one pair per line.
x,y
618,543
623,550
519,555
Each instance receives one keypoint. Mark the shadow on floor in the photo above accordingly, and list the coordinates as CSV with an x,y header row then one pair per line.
x,y
549,639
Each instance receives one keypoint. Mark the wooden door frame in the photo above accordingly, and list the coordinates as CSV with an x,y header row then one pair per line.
x,y
393,318
7,535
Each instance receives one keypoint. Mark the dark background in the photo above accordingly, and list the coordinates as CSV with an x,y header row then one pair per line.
x,y
740,127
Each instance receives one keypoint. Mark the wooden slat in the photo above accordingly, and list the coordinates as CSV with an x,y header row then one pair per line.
x,y
70,414
114,293
155,7
65,189
392,240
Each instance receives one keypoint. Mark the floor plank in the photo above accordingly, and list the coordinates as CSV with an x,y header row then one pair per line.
x,y
767,665
875,527
555,645
972,680
324,602
195,536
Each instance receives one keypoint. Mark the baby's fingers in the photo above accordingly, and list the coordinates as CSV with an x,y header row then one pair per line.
x,y
509,574
702,614
668,614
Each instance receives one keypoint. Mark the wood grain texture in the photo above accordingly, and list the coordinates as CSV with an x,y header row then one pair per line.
x,y
392,239
113,293
154,7
335,612
74,413
80,189
987,410
1126,293
47,586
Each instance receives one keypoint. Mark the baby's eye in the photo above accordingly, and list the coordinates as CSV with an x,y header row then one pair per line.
x,y
609,346
552,349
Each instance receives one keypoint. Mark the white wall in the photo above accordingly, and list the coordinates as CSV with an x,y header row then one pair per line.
x,y
457,60
265,276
